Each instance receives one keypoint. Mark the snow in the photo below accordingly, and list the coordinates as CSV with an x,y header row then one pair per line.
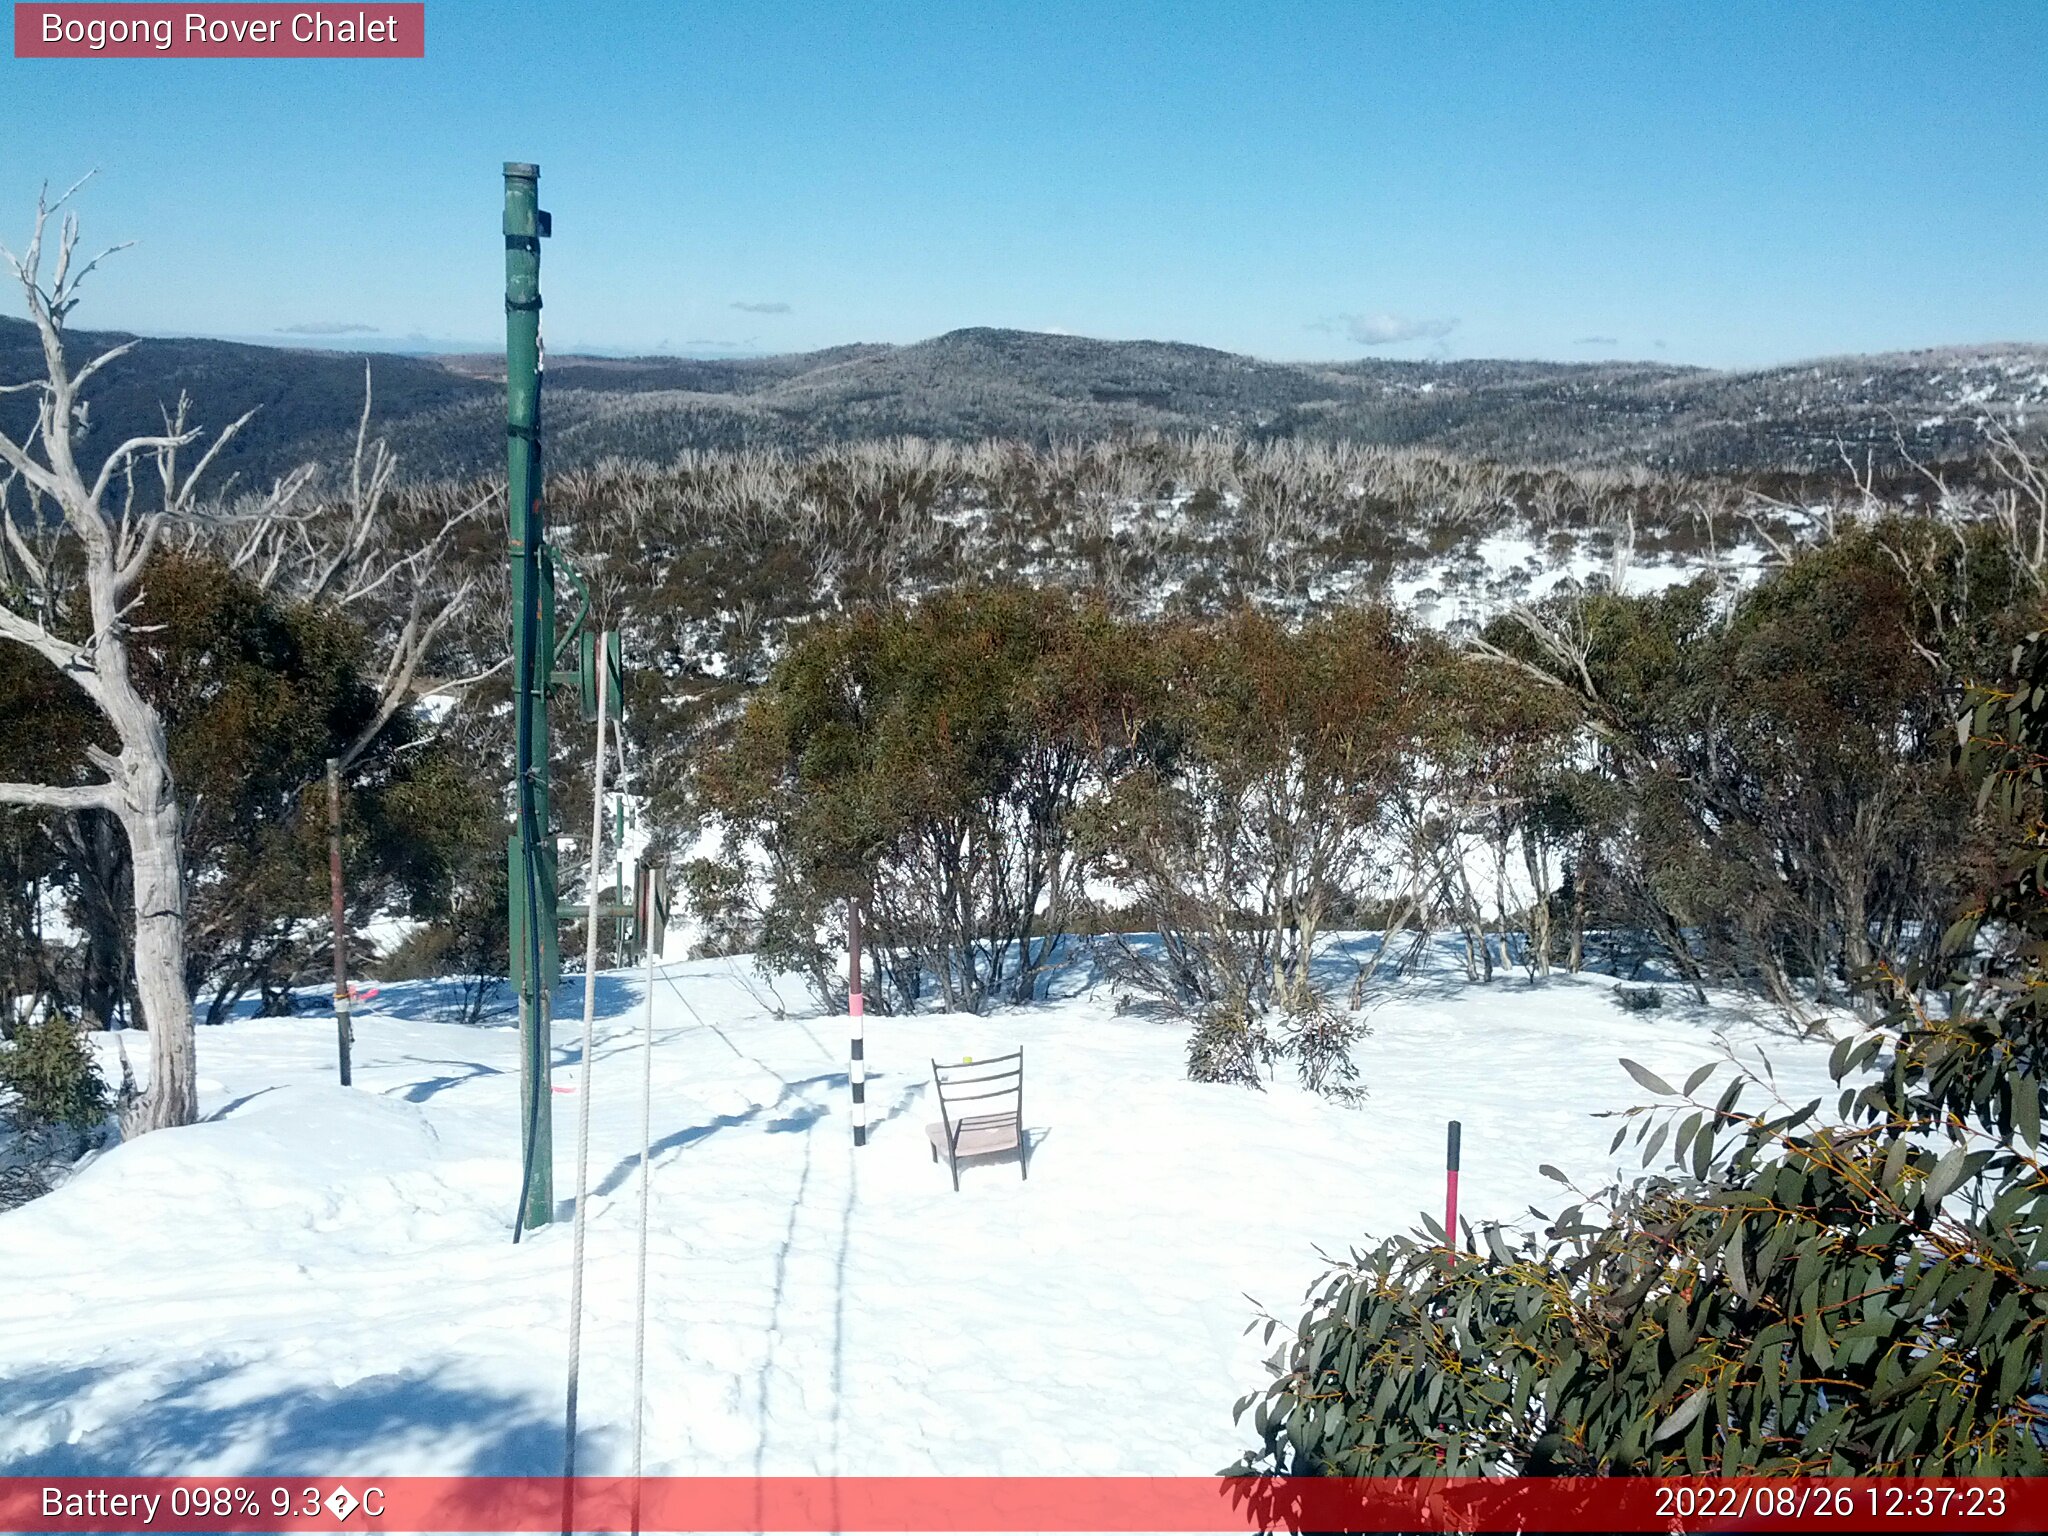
x,y
1489,572
386,931
320,1280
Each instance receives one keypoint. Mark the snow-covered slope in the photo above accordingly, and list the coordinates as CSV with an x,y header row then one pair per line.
x,y
320,1280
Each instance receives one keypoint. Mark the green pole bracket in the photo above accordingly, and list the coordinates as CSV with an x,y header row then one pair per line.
x,y
580,625
586,671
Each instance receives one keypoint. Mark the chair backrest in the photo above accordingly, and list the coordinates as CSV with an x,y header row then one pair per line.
x,y
994,1085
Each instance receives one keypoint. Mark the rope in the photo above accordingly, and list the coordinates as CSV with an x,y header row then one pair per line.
x,y
646,1176
583,1108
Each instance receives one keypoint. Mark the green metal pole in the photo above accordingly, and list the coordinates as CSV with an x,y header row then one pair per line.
x,y
533,645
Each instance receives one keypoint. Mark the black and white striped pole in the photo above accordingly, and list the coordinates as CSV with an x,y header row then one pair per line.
x,y
857,1074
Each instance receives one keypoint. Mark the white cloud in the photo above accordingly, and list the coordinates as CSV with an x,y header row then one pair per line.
x,y
1382,330
763,307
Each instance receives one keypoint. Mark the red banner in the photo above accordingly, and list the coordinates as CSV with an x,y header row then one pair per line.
x,y
216,31
1006,1504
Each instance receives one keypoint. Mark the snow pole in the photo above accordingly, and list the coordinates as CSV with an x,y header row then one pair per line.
x,y
1451,1190
343,1028
857,1073
583,1102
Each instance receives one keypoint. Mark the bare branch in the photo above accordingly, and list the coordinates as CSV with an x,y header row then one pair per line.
x,y
64,292
133,554
457,684
414,644
66,656
17,458
182,500
61,797
112,354
127,451
38,575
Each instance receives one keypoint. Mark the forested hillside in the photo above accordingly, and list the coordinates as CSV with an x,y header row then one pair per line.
x,y
306,401
971,385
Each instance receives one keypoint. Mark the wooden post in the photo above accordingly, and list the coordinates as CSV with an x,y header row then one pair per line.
x,y
857,1073
343,1031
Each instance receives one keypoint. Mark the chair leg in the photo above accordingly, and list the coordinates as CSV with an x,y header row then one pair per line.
x,y
956,1176
935,1154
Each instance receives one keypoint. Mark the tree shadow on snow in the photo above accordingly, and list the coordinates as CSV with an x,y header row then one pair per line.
x,y
443,1000
617,991
623,1169
210,1417
434,1000
909,1095
232,1105
423,1090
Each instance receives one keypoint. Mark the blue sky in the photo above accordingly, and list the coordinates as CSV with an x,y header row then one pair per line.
x,y
1718,183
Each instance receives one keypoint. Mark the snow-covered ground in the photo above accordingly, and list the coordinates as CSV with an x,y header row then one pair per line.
x,y
321,1280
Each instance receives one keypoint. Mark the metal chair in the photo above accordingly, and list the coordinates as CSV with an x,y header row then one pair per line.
x,y
999,1128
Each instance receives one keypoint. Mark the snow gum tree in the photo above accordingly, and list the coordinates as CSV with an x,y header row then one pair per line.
x,y
1780,810
112,519
1254,823
928,761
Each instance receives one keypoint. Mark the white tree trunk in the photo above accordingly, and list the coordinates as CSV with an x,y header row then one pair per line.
x,y
153,827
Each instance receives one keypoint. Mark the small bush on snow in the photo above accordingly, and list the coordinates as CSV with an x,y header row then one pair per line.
x,y
48,1078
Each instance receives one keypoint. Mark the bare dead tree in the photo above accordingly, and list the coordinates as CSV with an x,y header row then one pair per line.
x,y
2014,503
101,510
1564,637
2021,502
356,554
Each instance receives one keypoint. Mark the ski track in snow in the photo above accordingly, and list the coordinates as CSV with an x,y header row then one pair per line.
x,y
320,1280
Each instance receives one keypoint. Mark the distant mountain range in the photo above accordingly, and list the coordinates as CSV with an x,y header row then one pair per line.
x,y
441,413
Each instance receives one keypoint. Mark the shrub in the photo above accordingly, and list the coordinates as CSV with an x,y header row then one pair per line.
x,y
48,1078
1318,1037
927,761
1230,1043
1253,813
1792,1295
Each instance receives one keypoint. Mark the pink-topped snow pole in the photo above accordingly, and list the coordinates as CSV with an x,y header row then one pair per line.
x,y
1451,1190
857,1075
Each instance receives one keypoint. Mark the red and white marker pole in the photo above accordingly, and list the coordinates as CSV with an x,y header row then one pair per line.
x,y
1451,1190
857,1074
